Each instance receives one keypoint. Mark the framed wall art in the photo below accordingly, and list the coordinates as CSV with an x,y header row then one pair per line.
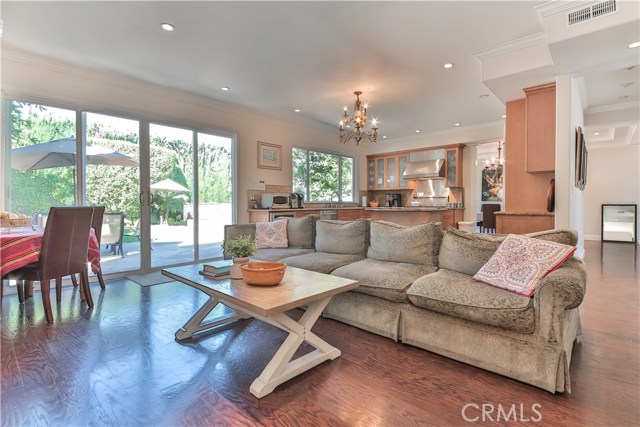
x,y
581,160
269,156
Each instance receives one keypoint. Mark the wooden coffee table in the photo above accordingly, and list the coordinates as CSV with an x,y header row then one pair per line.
x,y
269,304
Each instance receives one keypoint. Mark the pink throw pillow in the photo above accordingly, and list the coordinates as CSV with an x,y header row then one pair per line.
x,y
272,234
521,262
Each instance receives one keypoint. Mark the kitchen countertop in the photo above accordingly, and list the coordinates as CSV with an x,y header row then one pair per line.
x,y
380,208
409,209
525,213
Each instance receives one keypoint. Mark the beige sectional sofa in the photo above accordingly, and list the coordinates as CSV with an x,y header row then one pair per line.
x,y
417,287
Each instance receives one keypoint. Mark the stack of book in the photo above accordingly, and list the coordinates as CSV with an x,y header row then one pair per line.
x,y
217,269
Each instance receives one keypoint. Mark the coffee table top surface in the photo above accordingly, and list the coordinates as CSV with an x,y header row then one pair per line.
x,y
299,287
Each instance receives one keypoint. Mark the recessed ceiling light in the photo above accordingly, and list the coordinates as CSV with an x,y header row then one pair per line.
x,y
224,88
384,136
484,95
417,130
456,124
634,45
504,116
448,65
297,110
596,133
167,27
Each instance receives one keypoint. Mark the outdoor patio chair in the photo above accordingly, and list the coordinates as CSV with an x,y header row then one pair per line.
x,y
113,232
133,231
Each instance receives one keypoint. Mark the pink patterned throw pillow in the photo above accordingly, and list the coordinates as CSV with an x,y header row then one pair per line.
x,y
521,262
272,234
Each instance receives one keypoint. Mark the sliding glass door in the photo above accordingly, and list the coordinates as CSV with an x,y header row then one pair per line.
x,y
175,204
41,156
171,171
112,180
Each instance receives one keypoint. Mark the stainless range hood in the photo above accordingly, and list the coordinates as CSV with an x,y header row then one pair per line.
x,y
424,169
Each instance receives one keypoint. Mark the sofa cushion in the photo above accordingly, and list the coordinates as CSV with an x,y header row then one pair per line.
x,y
383,279
521,262
418,244
302,231
458,295
342,237
272,255
272,234
466,252
322,262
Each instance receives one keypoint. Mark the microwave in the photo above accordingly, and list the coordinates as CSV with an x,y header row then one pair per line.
x,y
276,200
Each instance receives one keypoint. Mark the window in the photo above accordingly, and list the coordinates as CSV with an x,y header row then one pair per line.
x,y
43,146
323,177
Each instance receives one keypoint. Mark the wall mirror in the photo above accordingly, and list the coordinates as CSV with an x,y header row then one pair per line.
x,y
619,223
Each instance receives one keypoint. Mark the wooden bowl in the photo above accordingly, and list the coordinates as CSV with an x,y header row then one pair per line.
x,y
373,204
259,273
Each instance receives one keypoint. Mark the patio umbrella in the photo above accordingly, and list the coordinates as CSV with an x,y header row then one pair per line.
x,y
62,152
168,185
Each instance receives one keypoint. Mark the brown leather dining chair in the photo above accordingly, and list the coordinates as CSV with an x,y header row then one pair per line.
x,y
63,252
489,217
96,224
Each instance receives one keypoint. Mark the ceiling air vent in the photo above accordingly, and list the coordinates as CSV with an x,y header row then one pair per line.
x,y
595,11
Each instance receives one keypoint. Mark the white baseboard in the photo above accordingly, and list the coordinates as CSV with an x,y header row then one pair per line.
x,y
591,237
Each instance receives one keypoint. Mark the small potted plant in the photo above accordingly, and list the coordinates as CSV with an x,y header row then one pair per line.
x,y
240,248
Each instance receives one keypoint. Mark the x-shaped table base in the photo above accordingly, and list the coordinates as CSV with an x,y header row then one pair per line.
x,y
281,368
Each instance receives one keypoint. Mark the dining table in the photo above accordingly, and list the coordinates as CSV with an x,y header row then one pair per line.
x,y
21,246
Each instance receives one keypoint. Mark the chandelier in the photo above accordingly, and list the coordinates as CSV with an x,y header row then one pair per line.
x,y
358,121
495,165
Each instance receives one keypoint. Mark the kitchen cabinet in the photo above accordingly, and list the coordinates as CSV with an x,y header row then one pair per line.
x,y
540,145
258,216
385,172
300,214
453,166
351,214
451,217
524,222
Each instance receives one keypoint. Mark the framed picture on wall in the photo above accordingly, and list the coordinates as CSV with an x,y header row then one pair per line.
x,y
269,156
581,160
492,185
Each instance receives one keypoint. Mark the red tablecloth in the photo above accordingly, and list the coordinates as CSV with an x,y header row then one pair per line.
x,y
21,247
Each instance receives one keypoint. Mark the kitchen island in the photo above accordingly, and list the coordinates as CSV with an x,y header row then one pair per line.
x,y
409,215
406,215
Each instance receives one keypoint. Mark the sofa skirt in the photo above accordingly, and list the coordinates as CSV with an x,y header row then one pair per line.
x,y
373,314
516,355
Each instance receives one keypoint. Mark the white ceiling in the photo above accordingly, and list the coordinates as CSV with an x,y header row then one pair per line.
x,y
278,56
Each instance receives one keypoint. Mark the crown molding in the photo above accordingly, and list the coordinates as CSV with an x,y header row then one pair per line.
x,y
613,107
511,46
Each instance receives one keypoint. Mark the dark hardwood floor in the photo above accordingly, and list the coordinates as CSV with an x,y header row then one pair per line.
x,y
119,365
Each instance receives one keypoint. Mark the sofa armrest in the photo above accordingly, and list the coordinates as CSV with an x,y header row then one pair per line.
x,y
561,290
568,283
233,230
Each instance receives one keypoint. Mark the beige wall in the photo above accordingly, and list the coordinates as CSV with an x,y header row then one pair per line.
x,y
51,83
613,176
